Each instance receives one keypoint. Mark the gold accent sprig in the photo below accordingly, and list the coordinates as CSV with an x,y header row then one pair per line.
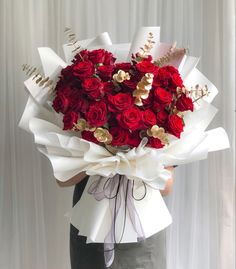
x,y
158,132
147,47
73,41
83,125
196,93
40,80
103,135
170,55
121,76
143,88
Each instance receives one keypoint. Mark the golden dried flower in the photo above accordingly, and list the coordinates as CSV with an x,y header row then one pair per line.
x,y
103,135
121,76
143,88
158,132
82,125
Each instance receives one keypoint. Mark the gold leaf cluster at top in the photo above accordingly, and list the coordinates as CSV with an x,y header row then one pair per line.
x,y
121,76
158,132
143,88
103,135
145,50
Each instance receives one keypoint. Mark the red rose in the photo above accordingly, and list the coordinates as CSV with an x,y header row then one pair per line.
x,y
61,103
155,143
163,78
69,119
119,136
148,102
174,125
162,96
83,69
146,67
130,118
134,139
119,102
97,114
149,118
130,84
105,71
176,81
161,117
93,87
184,103
79,103
89,136
97,56
171,69
109,59
67,73
108,87
67,91
81,56
123,66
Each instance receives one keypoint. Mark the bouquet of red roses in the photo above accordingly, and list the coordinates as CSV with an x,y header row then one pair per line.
x,y
122,113
118,104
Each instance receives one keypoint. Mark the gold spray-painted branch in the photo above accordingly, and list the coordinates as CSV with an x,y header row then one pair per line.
x,y
73,41
170,55
42,81
158,132
196,93
143,88
145,50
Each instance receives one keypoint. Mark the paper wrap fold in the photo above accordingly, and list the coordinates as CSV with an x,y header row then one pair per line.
x,y
70,155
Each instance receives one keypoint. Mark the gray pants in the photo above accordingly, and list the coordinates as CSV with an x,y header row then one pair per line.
x,y
148,254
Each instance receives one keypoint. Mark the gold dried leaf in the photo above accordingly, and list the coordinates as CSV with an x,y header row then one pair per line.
x,y
38,77
103,135
80,125
143,88
145,50
121,76
170,55
158,132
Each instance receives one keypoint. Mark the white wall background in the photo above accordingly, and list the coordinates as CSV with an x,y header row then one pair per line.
x,y
33,231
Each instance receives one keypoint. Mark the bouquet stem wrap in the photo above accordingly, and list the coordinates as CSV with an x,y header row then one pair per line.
x,y
119,190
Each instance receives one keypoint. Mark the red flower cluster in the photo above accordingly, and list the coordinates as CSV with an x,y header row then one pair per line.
x,y
87,90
